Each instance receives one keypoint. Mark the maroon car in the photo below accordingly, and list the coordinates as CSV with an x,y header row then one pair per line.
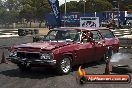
x,y
61,48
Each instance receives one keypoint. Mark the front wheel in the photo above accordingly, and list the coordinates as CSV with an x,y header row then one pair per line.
x,y
64,66
24,68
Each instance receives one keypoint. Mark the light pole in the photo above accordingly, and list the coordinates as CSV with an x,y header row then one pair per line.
x,y
84,7
65,15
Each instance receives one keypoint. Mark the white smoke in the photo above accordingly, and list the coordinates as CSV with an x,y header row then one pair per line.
x,y
119,56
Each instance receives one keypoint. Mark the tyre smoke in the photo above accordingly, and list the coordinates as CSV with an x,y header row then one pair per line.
x,y
120,56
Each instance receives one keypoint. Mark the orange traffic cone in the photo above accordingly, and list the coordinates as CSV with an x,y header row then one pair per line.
x,y
3,59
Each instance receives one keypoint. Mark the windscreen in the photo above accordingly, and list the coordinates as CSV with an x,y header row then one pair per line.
x,y
107,33
59,35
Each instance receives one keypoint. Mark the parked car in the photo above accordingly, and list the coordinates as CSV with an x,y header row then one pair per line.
x,y
110,39
61,49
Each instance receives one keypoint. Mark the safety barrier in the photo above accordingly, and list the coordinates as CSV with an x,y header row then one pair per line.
x,y
15,40
125,42
121,32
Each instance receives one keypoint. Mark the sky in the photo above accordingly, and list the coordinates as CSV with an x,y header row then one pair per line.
x,y
63,1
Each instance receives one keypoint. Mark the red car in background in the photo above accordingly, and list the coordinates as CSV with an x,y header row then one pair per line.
x,y
63,48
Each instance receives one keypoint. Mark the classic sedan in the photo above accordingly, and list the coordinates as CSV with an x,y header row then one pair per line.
x,y
61,48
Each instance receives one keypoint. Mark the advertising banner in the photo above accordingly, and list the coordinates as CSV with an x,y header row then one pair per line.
x,y
91,22
56,11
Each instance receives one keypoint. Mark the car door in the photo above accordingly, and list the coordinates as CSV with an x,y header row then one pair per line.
x,y
84,53
99,46
88,50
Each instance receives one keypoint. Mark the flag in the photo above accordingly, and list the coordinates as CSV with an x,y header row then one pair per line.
x,y
56,11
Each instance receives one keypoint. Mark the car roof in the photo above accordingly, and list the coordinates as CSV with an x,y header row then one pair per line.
x,y
78,28
103,28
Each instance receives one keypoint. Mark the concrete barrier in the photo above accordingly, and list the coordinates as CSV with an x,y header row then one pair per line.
x,y
125,42
15,40
7,42
122,32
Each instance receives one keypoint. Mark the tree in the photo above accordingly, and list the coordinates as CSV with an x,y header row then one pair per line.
x,y
123,5
9,11
102,5
34,10
71,7
12,4
90,6
43,9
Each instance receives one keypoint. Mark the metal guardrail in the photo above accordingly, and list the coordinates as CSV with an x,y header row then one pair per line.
x,y
126,26
7,42
15,40
121,32
126,43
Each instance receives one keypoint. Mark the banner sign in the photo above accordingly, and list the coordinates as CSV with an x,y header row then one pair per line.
x,y
89,22
56,11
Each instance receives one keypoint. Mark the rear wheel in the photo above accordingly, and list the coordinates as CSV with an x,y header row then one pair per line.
x,y
64,66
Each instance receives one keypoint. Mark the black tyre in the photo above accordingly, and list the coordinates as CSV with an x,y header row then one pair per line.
x,y
21,32
24,68
64,65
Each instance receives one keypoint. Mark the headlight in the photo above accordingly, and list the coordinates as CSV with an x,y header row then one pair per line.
x,y
46,56
13,54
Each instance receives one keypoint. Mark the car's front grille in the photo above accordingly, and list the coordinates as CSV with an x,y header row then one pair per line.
x,y
28,55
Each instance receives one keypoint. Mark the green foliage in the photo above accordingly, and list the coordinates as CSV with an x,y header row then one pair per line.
x,y
34,10
9,11
102,5
71,6
123,5
90,6
23,10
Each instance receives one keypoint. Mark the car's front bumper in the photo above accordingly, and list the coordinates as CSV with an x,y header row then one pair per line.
x,y
33,62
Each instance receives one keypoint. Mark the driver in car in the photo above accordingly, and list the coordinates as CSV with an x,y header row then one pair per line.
x,y
87,37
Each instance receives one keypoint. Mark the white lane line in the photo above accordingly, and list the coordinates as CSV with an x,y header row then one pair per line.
x,y
13,31
8,36
8,33
124,29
